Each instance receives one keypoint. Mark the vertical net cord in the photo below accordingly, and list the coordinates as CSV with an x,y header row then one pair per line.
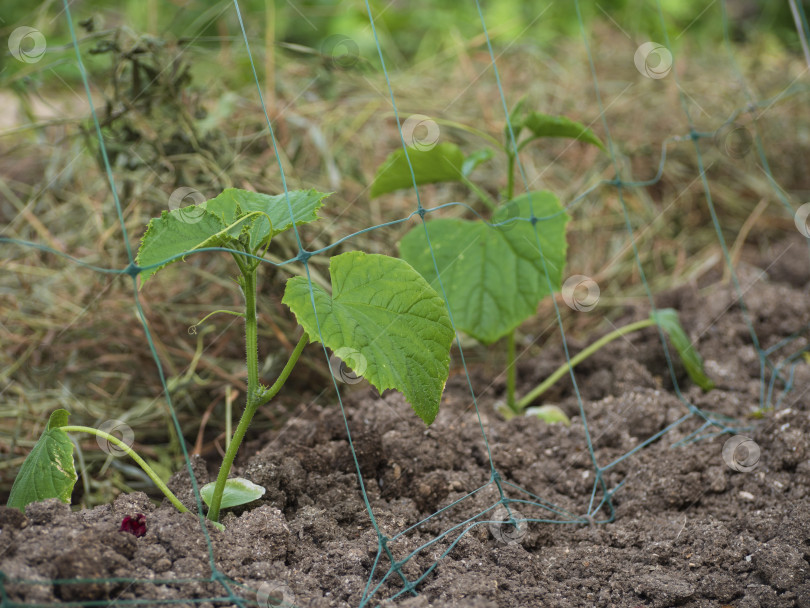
x,y
421,211
304,257
713,213
628,225
801,28
598,481
133,272
408,585
802,31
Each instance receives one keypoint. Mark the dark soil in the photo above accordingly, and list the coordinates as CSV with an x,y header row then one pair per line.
x,y
688,530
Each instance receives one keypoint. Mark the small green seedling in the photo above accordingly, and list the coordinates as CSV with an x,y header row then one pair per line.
x,y
666,319
388,324
494,273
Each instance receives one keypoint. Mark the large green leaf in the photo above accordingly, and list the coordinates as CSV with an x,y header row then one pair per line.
x,y
384,321
47,471
442,163
221,220
667,320
238,491
543,125
234,203
493,276
171,234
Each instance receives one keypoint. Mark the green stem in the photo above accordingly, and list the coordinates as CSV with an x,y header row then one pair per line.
x,y
254,402
240,261
479,192
469,129
510,176
511,372
256,394
248,284
560,372
507,413
132,454
285,373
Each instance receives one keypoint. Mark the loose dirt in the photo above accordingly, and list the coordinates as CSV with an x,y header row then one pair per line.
x,y
688,529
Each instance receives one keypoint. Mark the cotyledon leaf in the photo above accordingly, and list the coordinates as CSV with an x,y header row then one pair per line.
x,y
238,491
388,324
47,471
493,275
667,320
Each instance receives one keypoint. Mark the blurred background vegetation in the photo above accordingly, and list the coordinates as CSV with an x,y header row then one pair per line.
x,y
176,97
410,32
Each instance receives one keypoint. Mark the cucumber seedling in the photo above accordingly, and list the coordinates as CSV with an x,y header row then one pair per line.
x,y
665,318
386,321
494,273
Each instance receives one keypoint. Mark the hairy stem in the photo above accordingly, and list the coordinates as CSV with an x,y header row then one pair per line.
x,y
510,176
285,373
132,454
248,284
479,192
257,395
560,372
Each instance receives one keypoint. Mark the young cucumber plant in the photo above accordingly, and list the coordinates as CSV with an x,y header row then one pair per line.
x,y
385,321
665,318
494,273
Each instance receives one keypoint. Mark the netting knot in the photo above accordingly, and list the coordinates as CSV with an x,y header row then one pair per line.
x,y
132,270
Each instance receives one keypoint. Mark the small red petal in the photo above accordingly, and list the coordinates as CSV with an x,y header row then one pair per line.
x,y
134,525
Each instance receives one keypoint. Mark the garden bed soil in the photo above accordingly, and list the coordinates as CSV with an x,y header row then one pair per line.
x,y
688,530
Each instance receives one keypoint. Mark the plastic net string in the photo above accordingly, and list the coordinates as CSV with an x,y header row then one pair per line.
x,y
515,507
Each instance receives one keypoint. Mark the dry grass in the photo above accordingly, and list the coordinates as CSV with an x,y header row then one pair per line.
x,y
71,337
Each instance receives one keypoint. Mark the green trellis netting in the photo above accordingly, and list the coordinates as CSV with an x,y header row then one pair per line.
x,y
776,368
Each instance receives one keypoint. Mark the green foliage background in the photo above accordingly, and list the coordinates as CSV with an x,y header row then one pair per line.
x,y
409,31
